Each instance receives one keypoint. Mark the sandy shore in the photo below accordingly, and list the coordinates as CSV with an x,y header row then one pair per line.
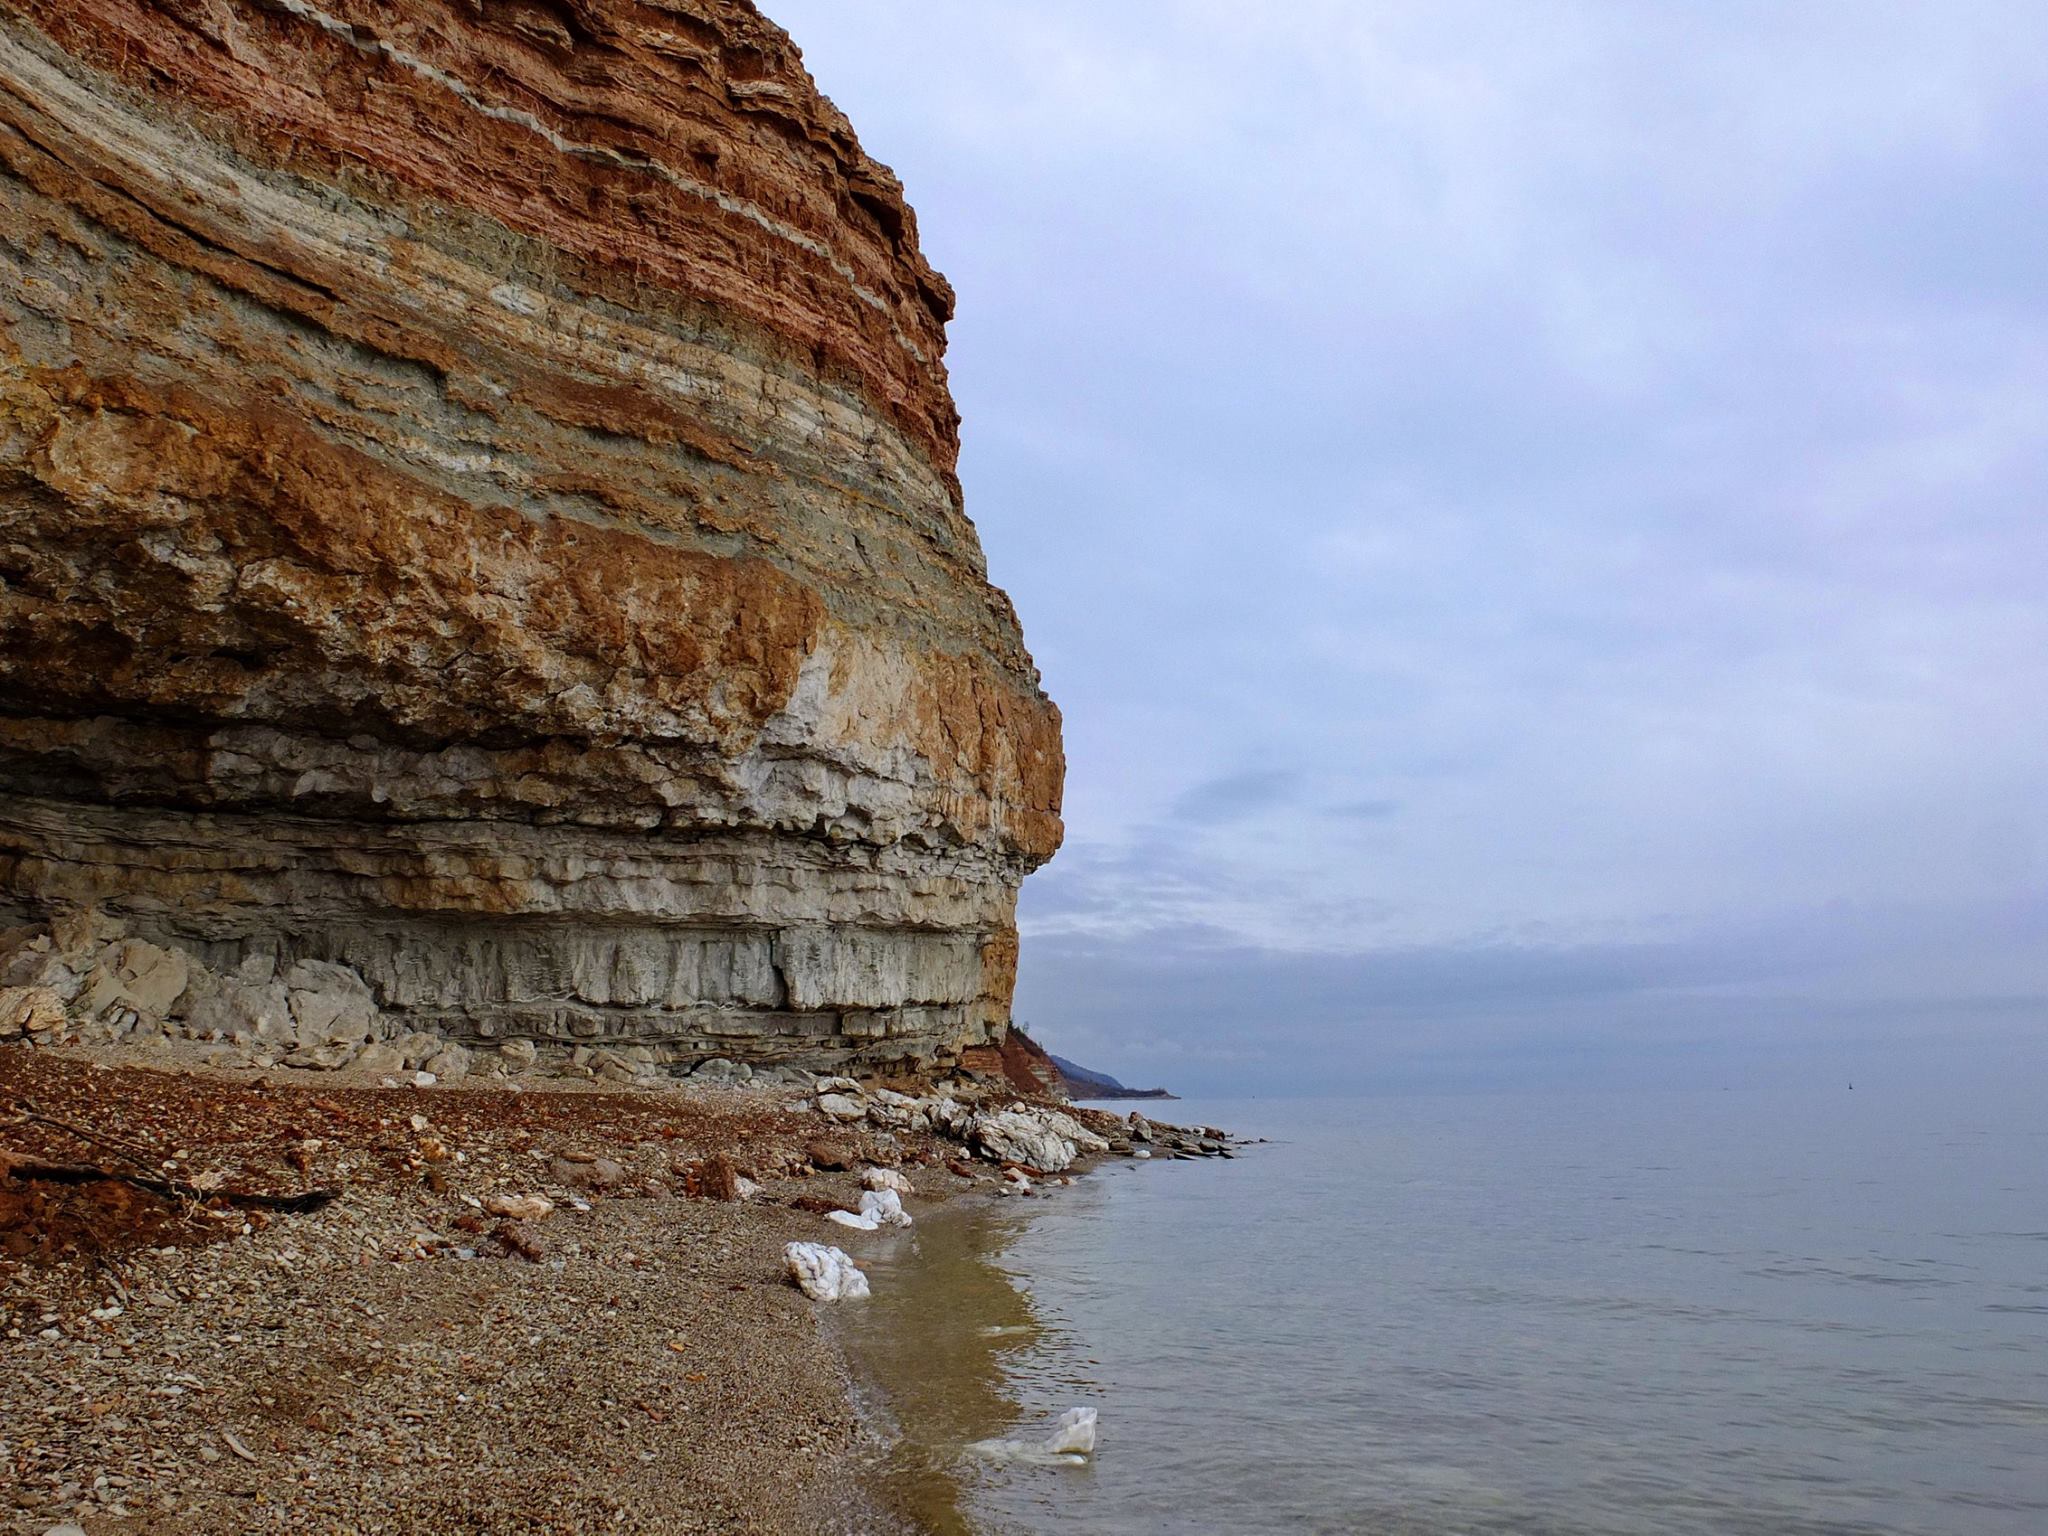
x,y
174,1368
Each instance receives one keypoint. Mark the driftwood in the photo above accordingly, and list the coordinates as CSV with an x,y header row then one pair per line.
x,y
14,1166
128,1151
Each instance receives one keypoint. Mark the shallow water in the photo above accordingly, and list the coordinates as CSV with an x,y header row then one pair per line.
x,y
1683,1313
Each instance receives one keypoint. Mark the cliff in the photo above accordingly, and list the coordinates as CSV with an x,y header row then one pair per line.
x,y
477,510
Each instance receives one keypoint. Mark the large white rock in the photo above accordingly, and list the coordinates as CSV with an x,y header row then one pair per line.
x,y
839,1107
1069,1129
141,976
885,1208
240,1010
887,1178
1017,1136
452,1062
824,1274
860,1223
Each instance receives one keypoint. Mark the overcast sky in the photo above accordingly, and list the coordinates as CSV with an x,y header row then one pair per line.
x,y
1534,514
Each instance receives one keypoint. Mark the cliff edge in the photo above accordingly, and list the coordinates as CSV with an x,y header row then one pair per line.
x,y
477,511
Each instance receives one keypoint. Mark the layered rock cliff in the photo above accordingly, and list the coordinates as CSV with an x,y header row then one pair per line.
x,y
477,510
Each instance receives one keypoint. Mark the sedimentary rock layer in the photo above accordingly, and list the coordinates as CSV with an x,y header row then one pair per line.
x,y
477,506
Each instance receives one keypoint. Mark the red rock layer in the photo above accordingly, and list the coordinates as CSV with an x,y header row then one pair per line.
x,y
675,149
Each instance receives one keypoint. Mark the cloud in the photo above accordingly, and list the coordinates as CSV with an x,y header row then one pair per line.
x,y
1553,482
1234,797
1367,810
1199,1009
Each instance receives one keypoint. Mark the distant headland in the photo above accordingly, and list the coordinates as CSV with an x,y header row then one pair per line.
x,y
1084,1084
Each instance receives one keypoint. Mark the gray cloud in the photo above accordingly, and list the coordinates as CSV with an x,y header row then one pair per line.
x,y
1612,437
1234,797
1367,810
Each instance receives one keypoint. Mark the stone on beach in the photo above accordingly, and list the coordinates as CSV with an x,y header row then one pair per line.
x,y
722,1179
840,1107
519,1207
830,1155
885,1208
1038,1138
887,1178
823,1273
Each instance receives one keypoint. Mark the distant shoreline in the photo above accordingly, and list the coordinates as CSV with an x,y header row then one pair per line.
x,y
1083,1085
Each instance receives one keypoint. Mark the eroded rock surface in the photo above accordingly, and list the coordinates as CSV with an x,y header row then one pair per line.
x,y
477,514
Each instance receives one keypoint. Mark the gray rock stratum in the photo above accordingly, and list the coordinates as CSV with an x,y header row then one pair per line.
x,y
477,512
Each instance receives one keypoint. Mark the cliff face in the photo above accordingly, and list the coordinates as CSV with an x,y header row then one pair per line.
x,y
477,507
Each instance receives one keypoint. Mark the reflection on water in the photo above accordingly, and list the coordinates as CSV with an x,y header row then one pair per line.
x,y
940,1343
1698,1315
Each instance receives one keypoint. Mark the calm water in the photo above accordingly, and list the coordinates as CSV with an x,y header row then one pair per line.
x,y
1713,1312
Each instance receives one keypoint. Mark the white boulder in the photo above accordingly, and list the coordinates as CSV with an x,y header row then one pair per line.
x,y
450,1062
824,1274
885,1208
1018,1136
945,1114
329,1004
141,976
1068,1128
887,1178
893,1111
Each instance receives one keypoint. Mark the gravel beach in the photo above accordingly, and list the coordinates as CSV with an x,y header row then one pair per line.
x,y
391,1362
256,1299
